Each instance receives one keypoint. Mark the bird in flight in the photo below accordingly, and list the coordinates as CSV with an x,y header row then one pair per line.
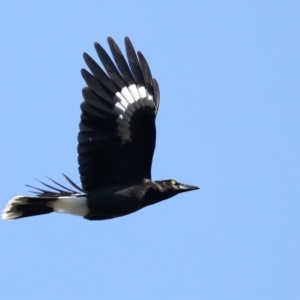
x,y
116,143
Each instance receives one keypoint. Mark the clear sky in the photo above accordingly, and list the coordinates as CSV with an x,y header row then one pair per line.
x,y
229,74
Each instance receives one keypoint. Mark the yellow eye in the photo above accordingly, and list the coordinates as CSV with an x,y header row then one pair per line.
x,y
173,182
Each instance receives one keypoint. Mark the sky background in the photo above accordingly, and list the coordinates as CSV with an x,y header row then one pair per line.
x,y
229,74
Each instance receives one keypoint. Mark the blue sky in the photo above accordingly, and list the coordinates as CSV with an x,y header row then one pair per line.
x,y
229,76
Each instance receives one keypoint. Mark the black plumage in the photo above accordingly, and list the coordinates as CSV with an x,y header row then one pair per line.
x,y
116,142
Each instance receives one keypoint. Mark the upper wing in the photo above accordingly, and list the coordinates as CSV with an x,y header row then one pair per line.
x,y
116,140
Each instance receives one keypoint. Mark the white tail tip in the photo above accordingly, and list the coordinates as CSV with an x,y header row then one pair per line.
x,y
10,211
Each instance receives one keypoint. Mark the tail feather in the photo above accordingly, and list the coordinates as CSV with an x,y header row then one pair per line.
x,y
57,198
21,207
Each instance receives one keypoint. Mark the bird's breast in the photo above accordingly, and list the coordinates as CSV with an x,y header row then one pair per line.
x,y
114,204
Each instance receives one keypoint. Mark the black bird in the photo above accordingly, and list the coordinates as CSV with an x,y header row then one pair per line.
x,y
116,142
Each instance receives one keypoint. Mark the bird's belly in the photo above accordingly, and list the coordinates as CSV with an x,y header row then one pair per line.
x,y
111,207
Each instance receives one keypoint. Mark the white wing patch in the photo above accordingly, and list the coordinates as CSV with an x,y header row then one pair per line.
x,y
128,101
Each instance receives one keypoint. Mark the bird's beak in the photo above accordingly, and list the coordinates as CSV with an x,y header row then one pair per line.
x,y
187,187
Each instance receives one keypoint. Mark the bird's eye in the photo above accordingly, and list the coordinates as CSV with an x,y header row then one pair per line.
x,y
173,182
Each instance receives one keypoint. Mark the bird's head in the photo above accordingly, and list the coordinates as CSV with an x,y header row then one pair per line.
x,y
171,187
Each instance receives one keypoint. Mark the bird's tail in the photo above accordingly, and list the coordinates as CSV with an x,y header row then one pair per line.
x,y
22,206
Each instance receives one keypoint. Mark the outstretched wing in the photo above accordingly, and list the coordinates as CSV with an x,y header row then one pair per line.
x,y
58,190
116,140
